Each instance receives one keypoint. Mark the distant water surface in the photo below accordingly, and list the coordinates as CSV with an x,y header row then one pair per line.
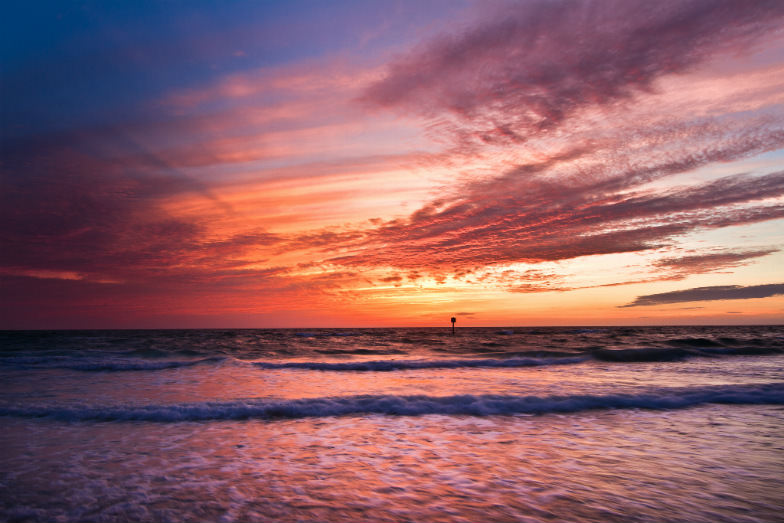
x,y
491,424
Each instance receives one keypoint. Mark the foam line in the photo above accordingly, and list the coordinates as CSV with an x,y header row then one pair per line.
x,y
640,355
468,405
103,365
391,365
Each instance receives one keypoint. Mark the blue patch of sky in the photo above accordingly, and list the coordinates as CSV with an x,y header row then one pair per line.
x,y
68,65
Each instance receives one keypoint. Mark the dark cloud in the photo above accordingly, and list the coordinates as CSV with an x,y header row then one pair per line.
x,y
718,292
62,208
67,206
530,66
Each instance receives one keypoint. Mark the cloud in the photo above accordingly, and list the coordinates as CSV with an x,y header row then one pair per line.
x,y
718,292
524,281
65,208
70,209
589,197
529,67
676,268
542,218
683,266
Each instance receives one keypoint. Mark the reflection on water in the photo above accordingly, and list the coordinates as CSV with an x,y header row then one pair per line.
x,y
600,466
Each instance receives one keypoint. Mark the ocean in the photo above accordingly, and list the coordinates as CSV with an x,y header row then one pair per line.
x,y
622,424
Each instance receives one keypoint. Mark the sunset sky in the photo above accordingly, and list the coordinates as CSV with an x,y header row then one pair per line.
x,y
385,163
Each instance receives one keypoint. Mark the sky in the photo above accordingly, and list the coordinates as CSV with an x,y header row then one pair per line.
x,y
188,164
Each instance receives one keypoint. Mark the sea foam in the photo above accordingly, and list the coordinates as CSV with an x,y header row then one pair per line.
x,y
103,364
415,405
391,365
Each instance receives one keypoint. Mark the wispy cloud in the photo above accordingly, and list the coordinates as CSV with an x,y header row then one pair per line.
x,y
529,67
546,220
683,266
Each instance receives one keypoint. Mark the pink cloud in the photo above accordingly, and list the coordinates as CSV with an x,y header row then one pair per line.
x,y
563,208
682,266
283,83
529,67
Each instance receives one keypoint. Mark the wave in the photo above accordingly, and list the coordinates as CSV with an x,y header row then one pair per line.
x,y
660,354
392,365
694,342
642,355
360,351
498,359
740,351
107,365
466,405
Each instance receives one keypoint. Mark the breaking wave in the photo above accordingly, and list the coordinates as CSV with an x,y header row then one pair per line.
x,y
390,365
640,355
664,354
467,405
499,360
103,365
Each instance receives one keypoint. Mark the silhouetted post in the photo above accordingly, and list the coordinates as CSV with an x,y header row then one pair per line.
x,y
453,325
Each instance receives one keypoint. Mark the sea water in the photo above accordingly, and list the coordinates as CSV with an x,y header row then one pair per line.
x,y
658,424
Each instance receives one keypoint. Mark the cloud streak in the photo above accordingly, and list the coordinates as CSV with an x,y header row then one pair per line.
x,y
713,293
683,266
